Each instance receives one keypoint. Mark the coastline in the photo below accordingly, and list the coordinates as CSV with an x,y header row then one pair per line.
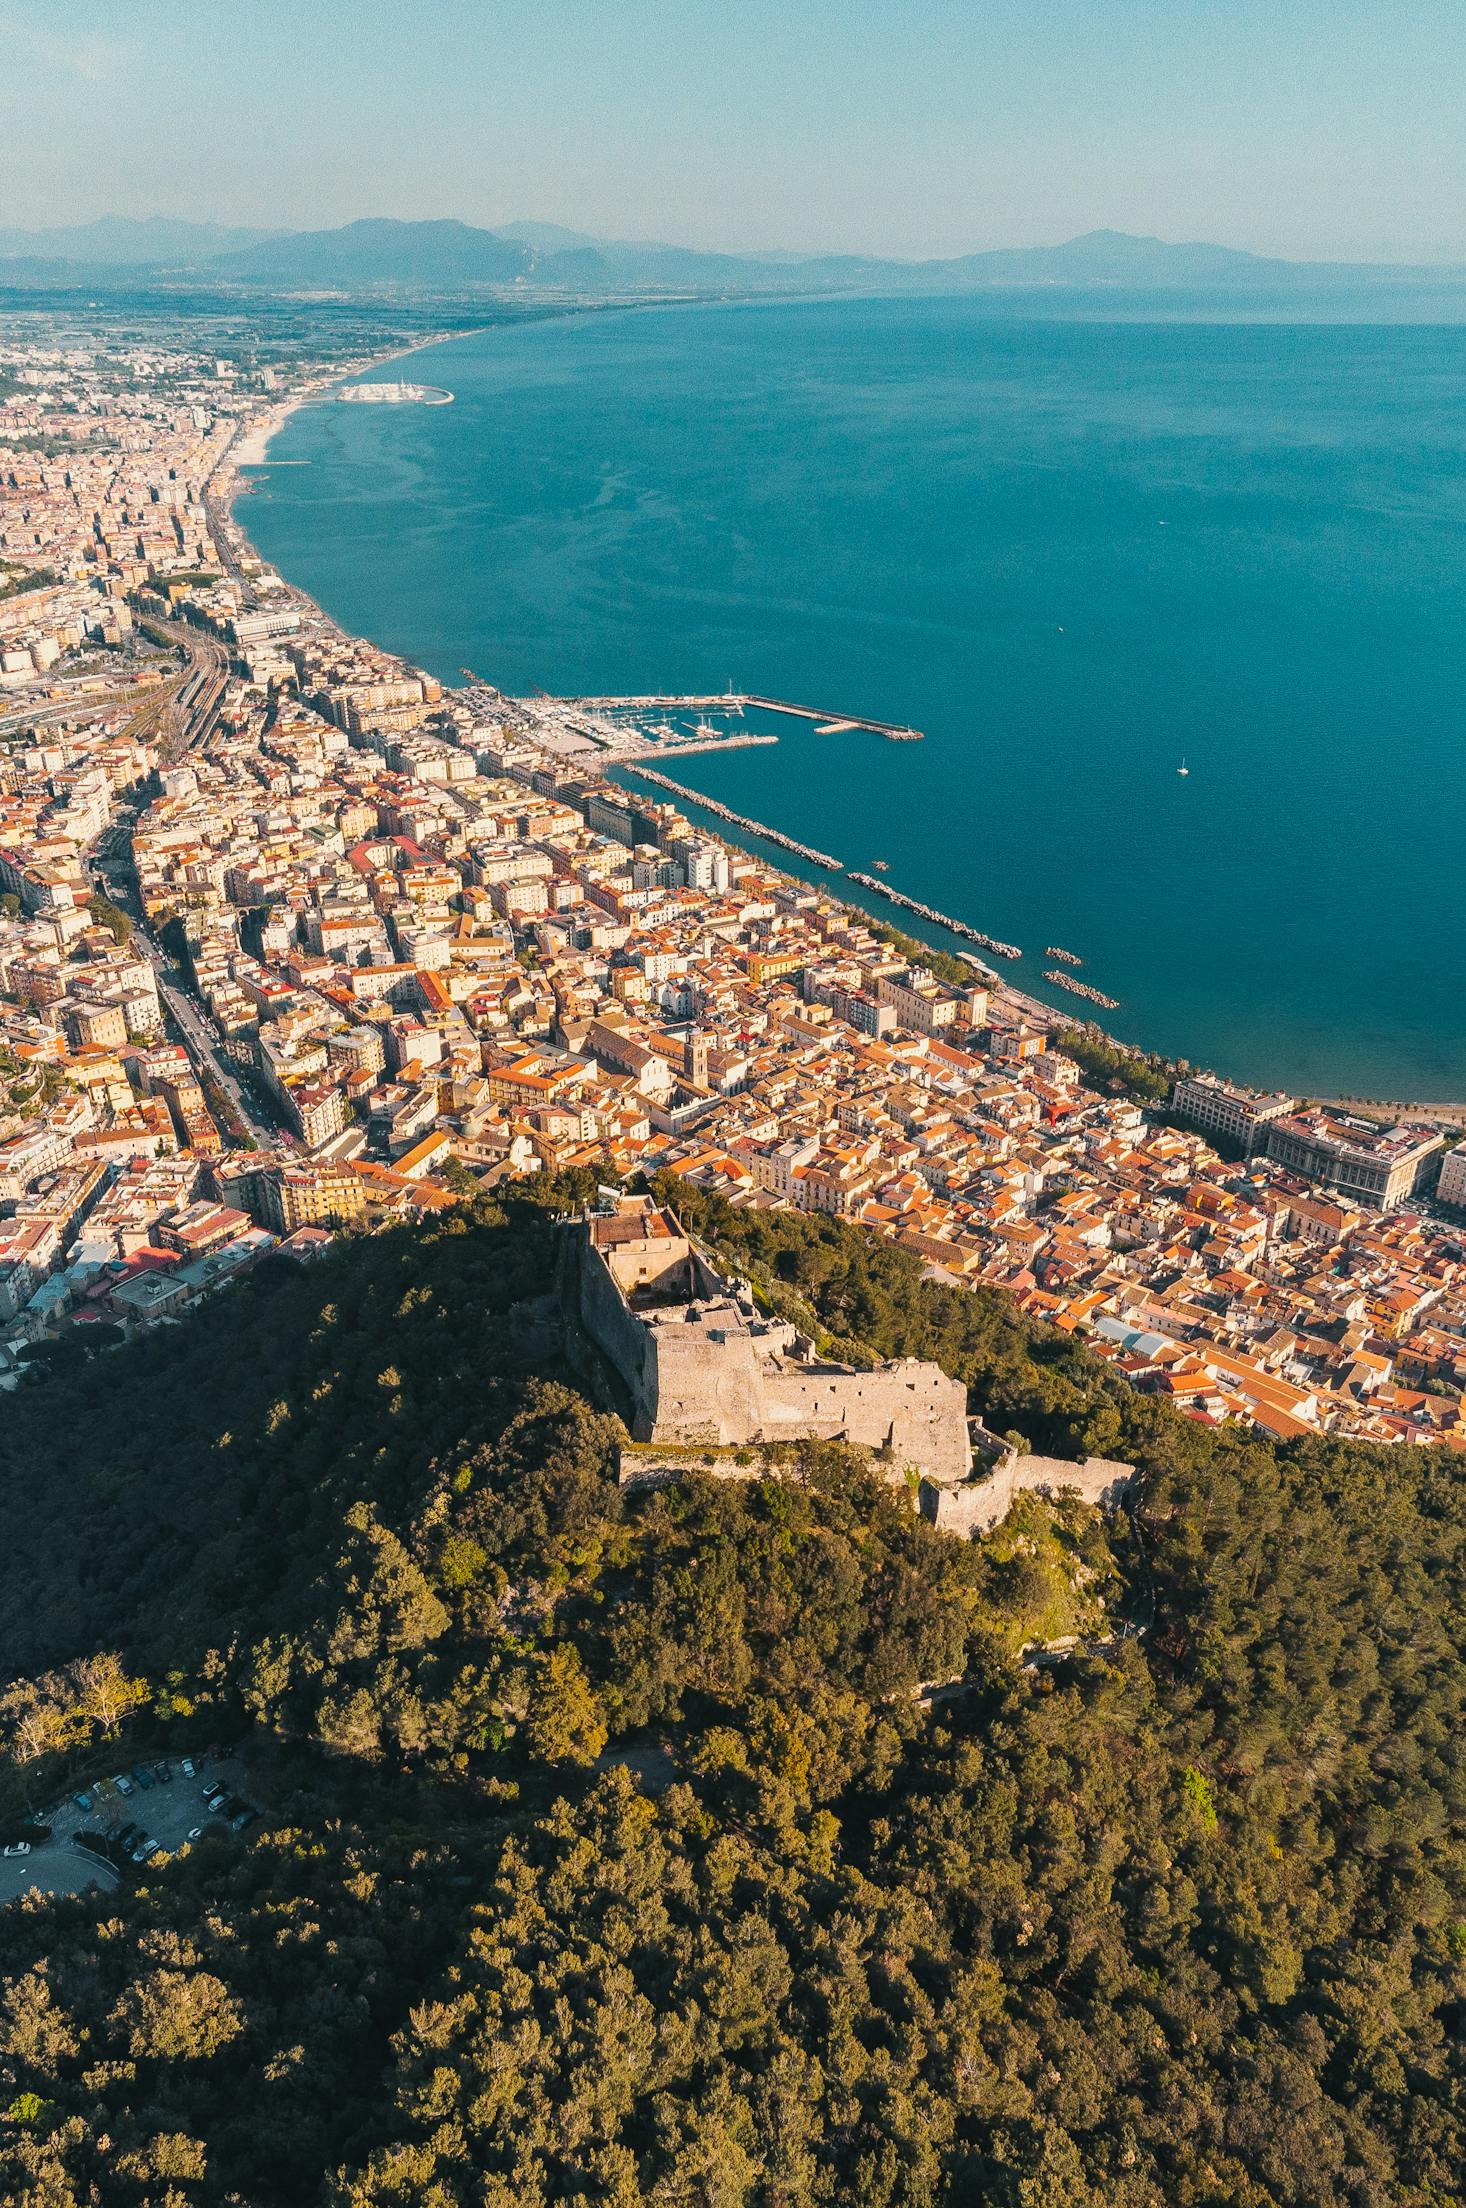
x,y
253,447
252,451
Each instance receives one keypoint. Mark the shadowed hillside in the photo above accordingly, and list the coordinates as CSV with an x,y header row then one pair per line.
x,y
610,1855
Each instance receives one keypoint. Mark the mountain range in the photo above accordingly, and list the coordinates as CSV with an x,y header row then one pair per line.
x,y
377,255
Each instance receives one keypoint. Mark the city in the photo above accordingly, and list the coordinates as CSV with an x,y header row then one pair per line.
x,y
295,940
732,1122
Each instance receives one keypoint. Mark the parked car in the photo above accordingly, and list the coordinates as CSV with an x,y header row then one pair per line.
x,y
187,1766
213,1790
195,1832
143,1776
145,1849
122,1783
245,1816
82,1801
18,1847
163,1770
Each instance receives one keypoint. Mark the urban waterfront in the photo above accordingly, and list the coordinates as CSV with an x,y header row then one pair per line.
x,y
1074,554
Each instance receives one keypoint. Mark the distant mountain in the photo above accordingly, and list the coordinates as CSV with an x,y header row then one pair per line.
x,y
446,257
121,241
544,237
1115,257
420,255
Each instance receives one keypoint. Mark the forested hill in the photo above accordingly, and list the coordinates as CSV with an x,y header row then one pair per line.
x,y
612,1856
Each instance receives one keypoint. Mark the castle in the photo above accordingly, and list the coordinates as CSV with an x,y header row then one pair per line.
x,y
707,1371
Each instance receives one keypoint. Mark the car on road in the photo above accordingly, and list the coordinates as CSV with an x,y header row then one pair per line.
x,y
18,1847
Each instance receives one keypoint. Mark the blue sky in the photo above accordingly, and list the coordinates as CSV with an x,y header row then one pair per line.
x,y
1334,128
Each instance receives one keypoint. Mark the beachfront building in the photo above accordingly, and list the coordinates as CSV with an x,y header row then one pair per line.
x,y
1451,1188
1379,1166
1219,1108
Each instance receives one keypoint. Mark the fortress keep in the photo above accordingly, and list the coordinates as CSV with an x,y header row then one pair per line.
x,y
706,1369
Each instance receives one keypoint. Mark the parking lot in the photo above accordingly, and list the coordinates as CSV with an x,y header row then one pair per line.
x,y
169,1810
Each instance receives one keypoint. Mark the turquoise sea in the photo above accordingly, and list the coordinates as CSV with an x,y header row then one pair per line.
x,y
1074,552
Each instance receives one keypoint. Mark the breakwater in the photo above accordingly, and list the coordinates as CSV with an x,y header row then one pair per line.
x,y
1062,980
740,820
992,943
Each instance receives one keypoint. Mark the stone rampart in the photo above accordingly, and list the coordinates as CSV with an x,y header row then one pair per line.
x,y
976,1506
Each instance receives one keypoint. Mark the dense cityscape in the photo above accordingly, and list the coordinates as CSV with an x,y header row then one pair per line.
x,y
732,1130
296,940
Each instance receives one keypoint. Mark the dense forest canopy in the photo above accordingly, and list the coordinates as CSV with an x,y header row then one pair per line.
x,y
716,1844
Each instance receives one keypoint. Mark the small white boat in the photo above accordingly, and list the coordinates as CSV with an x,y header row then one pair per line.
x,y
1183,768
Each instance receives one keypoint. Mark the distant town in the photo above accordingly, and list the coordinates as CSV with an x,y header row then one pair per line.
x,y
295,941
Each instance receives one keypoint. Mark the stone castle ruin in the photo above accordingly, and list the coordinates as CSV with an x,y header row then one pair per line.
x,y
708,1372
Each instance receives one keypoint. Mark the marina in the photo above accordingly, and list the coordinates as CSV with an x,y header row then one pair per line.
x,y
735,701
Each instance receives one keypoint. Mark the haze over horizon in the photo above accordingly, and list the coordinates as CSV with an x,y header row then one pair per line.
x,y
913,131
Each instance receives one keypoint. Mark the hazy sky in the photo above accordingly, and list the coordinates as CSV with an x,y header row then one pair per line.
x,y
1308,127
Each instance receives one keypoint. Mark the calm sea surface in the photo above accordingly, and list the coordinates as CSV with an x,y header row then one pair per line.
x,y
1074,553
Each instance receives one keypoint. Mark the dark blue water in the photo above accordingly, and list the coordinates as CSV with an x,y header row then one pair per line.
x,y
1074,553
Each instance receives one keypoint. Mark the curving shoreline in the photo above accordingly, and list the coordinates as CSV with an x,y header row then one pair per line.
x,y
253,449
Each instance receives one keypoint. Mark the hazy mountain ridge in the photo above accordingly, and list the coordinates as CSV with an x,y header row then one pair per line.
x,y
127,241
383,253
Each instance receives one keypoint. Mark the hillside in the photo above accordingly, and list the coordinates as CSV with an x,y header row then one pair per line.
x,y
430,255
610,1855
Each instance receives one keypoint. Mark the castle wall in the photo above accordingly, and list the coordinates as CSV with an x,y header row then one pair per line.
x,y
619,1336
704,1390
976,1506
913,1410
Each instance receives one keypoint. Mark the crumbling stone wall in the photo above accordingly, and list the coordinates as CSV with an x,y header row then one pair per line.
x,y
976,1506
